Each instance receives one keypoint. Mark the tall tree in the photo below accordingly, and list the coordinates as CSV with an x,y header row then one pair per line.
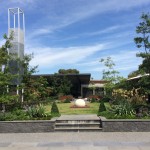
x,y
142,41
110,74
5,76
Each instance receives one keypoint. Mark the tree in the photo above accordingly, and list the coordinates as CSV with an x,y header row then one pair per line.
x,y
68,71
111,75
134,74
35,89
60,85
142,41
5,76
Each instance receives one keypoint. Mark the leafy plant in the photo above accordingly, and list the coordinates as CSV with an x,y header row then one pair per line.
x,y
37,112
123,109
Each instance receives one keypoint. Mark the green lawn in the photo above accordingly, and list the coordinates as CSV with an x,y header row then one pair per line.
x,y
65,108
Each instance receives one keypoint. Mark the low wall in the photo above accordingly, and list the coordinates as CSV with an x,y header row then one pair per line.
x,y
27,126
124,125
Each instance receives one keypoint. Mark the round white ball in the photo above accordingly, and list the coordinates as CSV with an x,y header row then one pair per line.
x,y
80,103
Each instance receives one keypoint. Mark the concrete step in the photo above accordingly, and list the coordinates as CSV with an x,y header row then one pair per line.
x,y
78,121
91,129
81,125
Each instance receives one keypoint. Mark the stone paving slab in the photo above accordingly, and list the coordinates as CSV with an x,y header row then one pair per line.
x,y
75,141
79,117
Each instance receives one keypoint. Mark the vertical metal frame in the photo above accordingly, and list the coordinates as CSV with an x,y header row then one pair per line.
x,y
16,23
16,12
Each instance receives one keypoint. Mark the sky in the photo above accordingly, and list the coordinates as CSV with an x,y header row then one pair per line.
x,y
76,34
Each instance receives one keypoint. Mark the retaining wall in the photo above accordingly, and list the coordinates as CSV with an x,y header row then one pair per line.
x,y
124,125
27,126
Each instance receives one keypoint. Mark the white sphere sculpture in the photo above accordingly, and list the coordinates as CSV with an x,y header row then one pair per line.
x,y
80,103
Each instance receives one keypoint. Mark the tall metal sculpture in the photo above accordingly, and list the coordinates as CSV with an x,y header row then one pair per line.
x,y
16,26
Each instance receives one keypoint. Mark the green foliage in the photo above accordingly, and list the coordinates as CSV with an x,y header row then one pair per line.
x,y
144,29
134,74
124,108
54,110
5,76
17,114
110,75
142,41
38,112
68,71
101,107
106,99
60,85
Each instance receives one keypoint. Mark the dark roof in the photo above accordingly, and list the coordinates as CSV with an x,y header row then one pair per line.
x,y
83,78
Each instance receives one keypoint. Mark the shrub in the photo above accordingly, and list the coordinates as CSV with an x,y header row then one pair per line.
x,y
38,112
101,107
94,98
8,116
106,99
65,98
54,110
123,109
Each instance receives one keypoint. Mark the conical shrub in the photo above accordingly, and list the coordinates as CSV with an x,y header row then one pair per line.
x,y
102,107
54,110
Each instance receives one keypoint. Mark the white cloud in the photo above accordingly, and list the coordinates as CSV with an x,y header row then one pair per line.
x,y
124,62
49,57
55,19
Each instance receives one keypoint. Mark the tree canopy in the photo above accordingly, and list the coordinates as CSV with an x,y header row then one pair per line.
x,y
68,71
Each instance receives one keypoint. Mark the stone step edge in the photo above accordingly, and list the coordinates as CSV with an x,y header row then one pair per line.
x,y
92,128
78,119
77,123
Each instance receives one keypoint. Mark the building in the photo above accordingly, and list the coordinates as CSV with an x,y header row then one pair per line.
x,y
82,86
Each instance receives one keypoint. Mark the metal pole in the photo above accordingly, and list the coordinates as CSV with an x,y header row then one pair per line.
x,y
24,26
8,21
22,98
17,90
7,89
14,21
18,29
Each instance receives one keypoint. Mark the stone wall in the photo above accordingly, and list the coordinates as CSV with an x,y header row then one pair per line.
x,y
27,126
124,125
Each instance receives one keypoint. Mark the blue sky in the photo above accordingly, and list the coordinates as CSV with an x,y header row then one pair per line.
x,y
76,34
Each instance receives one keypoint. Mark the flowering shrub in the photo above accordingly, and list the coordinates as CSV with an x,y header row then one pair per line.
x,y
134,96
94,98
66,98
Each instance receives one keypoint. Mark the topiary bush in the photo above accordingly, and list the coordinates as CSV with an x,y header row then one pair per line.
x,y
55,110
102,107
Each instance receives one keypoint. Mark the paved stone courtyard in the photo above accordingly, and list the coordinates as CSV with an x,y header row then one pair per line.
x,y
76,141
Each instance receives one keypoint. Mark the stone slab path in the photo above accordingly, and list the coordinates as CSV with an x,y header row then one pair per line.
x,y
76,141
